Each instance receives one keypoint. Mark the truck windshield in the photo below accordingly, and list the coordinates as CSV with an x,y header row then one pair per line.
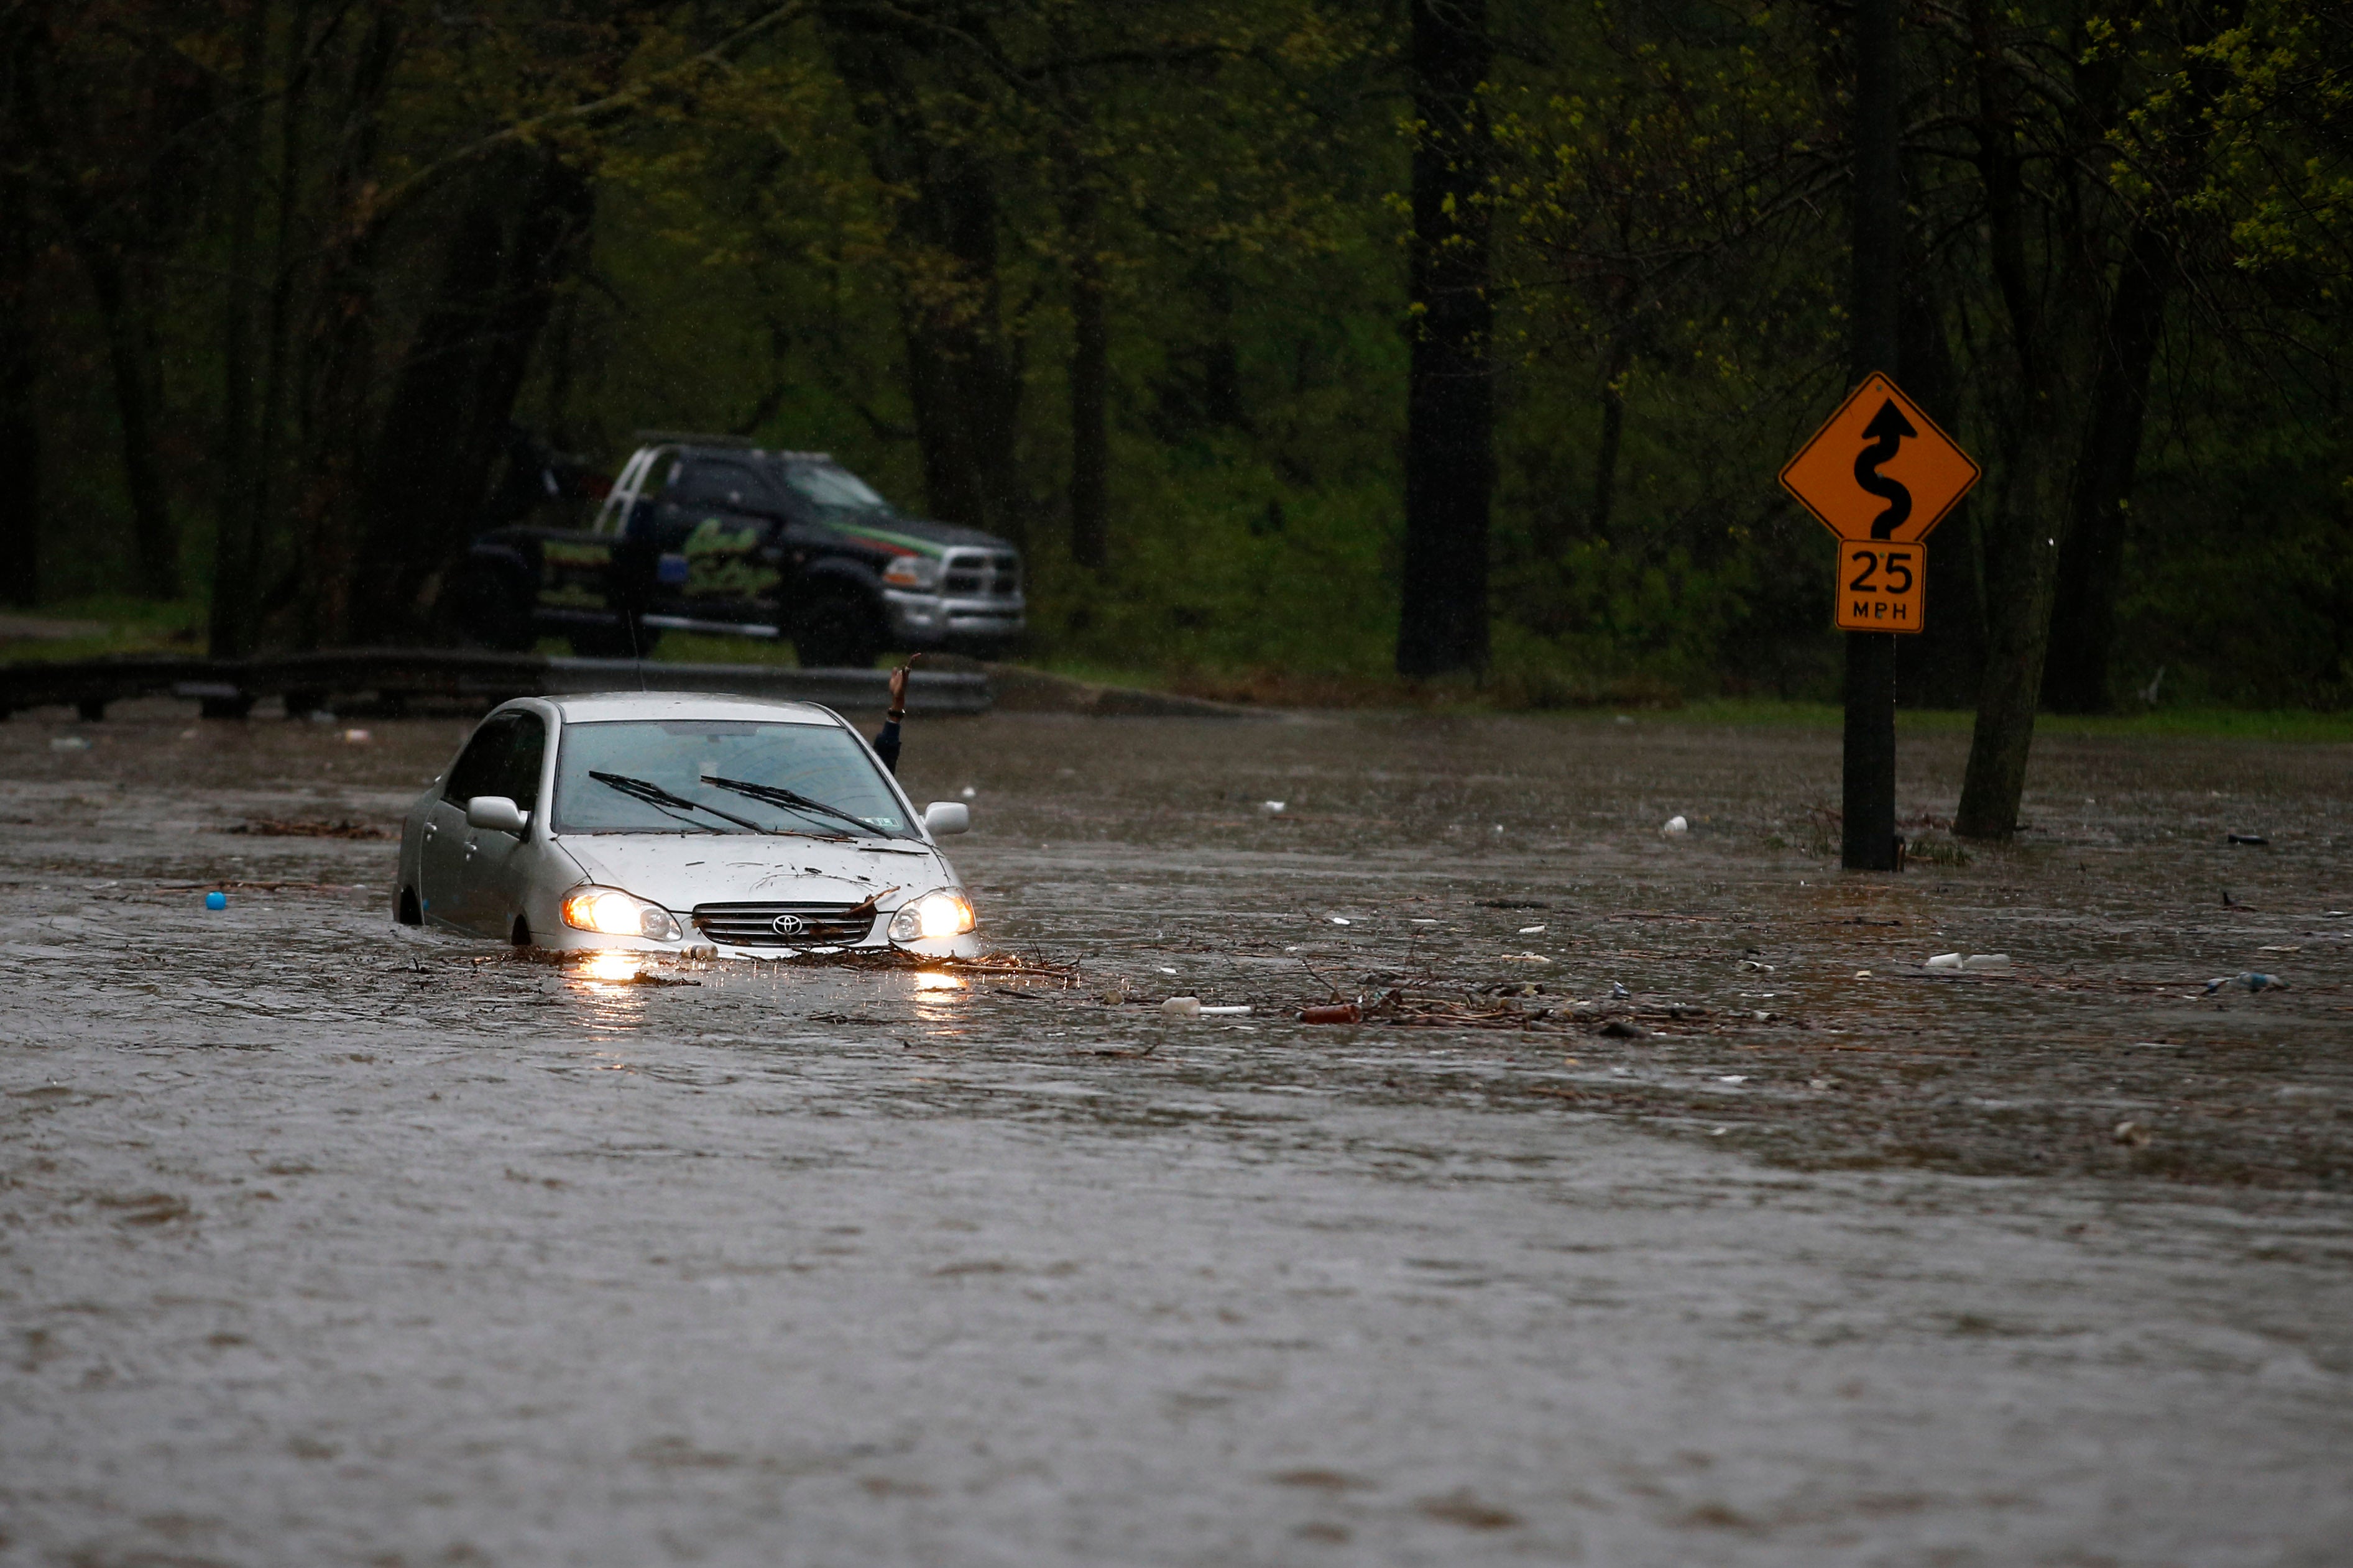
x,y
815,761
834,487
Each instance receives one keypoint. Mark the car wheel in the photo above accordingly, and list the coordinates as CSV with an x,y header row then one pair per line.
x,y
490,604
406,910
837,631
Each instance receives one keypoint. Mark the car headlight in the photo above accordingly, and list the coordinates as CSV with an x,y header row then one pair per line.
x,y
912,571
608,912
943,913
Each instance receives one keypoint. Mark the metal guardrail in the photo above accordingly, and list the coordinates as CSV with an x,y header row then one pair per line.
x,y
227,689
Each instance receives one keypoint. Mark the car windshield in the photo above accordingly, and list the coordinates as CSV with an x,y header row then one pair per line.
x,y
835,489
642,759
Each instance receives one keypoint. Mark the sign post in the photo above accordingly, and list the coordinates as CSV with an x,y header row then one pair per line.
x,y
1880,476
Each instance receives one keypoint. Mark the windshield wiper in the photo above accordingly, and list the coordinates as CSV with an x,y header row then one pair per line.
x,y
655,795
776,795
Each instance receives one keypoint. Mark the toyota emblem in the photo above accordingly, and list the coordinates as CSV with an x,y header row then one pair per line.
x,y
788,925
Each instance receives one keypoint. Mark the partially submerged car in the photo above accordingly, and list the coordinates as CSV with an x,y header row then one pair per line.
x,y
670,822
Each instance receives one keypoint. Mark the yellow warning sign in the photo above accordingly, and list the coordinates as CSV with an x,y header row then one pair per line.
x,y
1881,588
1879,475
1879,468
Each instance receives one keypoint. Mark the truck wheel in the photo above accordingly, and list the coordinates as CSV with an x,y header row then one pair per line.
x,y
490,603
837,631
613,642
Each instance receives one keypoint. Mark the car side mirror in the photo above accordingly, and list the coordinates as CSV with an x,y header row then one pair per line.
x,y
947,816
497,813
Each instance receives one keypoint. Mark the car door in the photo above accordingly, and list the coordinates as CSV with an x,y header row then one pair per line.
x,y
717,563
465,870
498,867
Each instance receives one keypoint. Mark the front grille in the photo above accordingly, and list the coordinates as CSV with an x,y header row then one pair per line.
x,y
755,925
976,571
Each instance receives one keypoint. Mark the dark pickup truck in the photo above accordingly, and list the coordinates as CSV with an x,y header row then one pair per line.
x,y
707,534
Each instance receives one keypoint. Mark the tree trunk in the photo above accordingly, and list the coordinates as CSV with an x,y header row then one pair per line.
x,y
1939,667
279,318
2045,319
233,562
1615,369
2091,558
20,422
2021,563
945,234
131,355
1449,390
1090,408
516,238
340,361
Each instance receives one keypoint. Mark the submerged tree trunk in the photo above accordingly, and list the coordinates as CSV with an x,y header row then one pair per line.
x,y
2044,304
516,238
1450,391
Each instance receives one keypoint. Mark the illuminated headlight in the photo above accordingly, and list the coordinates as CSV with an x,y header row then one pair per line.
x,y
912,571
934,914
608,912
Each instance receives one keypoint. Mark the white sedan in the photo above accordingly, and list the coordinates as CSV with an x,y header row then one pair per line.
x,y
670,822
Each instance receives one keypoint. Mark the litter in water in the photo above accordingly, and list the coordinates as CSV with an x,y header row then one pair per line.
x,y
1336,1013
70,743
2249,981
1945,960
1979,962
216,899
1183,1006
2249,838
1675,825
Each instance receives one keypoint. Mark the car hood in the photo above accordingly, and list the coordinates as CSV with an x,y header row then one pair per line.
x,y
681,871
917,533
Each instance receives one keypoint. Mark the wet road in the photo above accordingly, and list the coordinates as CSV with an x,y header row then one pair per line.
x,y
323,1242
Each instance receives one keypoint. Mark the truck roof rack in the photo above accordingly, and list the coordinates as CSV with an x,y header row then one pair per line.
x,y
735,443
693,438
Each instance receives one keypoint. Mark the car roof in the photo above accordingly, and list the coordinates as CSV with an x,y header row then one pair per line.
x,y
595,707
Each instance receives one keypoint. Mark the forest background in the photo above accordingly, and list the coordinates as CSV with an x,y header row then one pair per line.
x,y
295,295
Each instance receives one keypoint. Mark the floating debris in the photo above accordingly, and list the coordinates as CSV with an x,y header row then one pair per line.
x,y
2250,980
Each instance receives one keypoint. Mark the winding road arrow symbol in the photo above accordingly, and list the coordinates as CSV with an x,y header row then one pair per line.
x,y
1887,432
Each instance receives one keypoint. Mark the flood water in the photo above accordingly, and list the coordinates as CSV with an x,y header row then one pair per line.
x,y
324,1241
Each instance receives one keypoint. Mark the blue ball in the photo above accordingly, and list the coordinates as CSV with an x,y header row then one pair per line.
x,y
216,900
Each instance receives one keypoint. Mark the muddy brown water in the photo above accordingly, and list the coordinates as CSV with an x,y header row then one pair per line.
x,y
321,1241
